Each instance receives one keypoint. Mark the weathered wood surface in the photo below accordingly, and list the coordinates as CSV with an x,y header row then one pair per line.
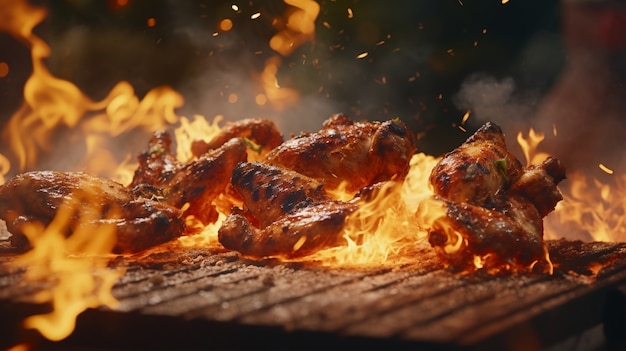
x,y
207,299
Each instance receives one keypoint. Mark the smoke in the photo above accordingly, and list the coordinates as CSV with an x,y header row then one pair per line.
x,y
497,101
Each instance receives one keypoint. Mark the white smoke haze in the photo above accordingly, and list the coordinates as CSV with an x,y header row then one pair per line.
x,y
499,101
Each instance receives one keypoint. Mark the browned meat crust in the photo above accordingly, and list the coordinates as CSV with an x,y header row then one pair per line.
x,y
197,182
357,154
36,197
494,206
287,214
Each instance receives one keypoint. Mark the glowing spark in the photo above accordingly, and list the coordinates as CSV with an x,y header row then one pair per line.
x,y
260,99
299,243
350,14
605,169
504,1
465,117
4,69
362,55
151,22
233,98
255,15
235,7
226,25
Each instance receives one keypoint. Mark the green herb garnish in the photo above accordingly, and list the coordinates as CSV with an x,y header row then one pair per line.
x,y
501,167
252,145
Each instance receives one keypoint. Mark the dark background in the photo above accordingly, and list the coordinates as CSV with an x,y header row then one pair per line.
x,y
434,54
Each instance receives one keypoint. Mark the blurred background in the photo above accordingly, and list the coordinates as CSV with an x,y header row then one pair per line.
x,y
426,62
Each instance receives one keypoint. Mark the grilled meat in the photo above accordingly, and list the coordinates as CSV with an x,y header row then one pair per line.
x,y
494,207
262,132
357,154
37,197
286,213
197,182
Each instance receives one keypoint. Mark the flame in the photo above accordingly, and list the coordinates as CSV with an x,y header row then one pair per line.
x,y
530,145
591,209
50,102
386,228
299,28
76,264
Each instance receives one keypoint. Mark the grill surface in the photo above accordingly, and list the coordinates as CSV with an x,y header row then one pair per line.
x,y
217,300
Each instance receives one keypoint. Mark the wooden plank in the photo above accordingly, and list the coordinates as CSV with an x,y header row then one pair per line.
x,y
416,305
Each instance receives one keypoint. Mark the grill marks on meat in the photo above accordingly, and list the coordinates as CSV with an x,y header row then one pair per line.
x,y
355,153
286,213
197,182
36,197
493,203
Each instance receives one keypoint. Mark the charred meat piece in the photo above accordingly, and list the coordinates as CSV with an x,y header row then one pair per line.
x,y
262,132
286,214
197,182
37,197
357,154
494,207
477,169
270,192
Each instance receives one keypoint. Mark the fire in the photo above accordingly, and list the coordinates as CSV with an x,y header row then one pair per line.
x,y
77,265
386,228
298,29
592,209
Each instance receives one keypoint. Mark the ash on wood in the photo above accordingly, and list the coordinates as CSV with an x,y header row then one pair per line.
x,y
203,299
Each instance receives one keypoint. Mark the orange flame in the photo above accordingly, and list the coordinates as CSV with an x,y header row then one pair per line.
x,y
75,264
385,228
50,102
299,28
592,209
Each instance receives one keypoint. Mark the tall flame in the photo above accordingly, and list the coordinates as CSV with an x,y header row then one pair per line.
x,y
50,102
77,264
592,209
385,229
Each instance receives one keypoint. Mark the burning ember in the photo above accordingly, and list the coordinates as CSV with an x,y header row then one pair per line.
x,y
240,186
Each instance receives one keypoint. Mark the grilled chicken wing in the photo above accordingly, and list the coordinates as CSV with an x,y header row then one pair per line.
x,y
262,132
37,197
494,207
355,153
197,182
287,214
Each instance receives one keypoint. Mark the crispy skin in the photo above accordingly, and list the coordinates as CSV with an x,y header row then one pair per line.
x,y
296,234
262,132
493,203
197,182
287,214
270,192
356,153
477,169
36,197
